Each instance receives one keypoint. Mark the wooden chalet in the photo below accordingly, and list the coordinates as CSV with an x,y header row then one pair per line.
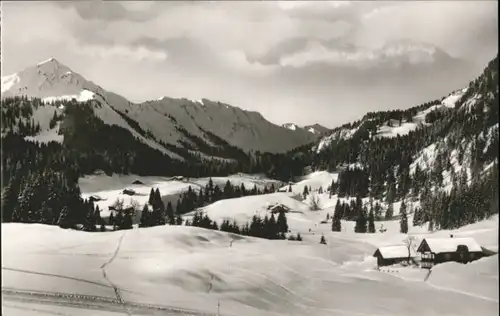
x,y
277,208
128,192
438,250
390,255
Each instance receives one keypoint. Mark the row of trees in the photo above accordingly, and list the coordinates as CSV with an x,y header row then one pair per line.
x,y
190,200
268,227
364,216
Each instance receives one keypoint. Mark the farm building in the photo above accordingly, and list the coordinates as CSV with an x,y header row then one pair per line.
x,y
439,250
95,198
128,192
278,208
393,254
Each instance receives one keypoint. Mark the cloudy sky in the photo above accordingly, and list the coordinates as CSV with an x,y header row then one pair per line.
x,y
302,62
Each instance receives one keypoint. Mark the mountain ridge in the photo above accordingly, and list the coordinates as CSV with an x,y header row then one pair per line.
x,y
248,130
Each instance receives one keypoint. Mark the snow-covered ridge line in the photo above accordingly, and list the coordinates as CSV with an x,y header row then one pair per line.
x,y
395,129
248,130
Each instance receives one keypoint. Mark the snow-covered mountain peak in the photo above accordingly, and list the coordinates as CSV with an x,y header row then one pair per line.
x,y
174,121
47,79
290,126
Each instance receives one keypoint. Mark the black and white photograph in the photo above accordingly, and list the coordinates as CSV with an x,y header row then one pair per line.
x,y
249,158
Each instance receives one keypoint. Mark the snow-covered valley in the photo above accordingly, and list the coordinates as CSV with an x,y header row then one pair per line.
x,y
179,270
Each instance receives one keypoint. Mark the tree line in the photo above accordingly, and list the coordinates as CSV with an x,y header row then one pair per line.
x,y
269,227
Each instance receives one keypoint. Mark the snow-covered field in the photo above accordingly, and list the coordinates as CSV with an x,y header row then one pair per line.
x,y
110,188
174,270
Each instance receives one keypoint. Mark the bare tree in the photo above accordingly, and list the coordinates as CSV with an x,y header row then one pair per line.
x,y
409,242
118,205
315,202
135,205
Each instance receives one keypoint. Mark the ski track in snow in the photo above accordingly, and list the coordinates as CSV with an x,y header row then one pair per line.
x,y
105,275
448,289
55,276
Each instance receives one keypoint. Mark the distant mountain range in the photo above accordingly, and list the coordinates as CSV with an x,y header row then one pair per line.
x,y
197,125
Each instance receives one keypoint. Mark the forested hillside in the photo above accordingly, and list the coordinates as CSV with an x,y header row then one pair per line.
x,y
76,142
445,155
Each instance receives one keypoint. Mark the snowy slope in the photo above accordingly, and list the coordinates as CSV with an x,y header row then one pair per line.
x,y
51,80
110,188
394,128
187,268
243,209
315,129
179,270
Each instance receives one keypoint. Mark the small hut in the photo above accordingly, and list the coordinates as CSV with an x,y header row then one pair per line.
x,y
129,192
138,182
277,208
439,250
95,198
390,255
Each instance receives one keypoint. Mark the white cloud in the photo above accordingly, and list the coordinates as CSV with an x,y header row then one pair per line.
x,y
133,54
237,61
199,49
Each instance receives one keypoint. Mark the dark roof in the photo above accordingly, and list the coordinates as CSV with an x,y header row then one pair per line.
x,y
444,245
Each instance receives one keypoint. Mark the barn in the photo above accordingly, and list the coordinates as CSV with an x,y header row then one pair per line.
x,y
438,250
389,255
277,208
128,192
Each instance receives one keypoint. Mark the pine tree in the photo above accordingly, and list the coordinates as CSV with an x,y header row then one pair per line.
x,y
151,197
64,220
305,192
170,214
390,211
178,219
282,223
243,190
119,220
112,221
378,210
127,221
145,218
361,222
371,222
53,121
403,223
336,224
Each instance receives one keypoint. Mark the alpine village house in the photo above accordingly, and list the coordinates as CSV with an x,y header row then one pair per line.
x,y
438,250
390,255
433,251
